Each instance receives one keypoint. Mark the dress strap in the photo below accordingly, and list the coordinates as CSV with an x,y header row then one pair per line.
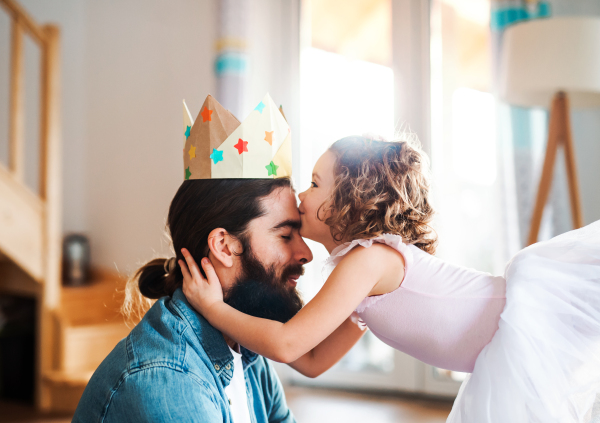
x,y
392,240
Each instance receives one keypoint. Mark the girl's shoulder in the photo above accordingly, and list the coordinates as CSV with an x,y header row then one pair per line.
x,y
393,241
375,251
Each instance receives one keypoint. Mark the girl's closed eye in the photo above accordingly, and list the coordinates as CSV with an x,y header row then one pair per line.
x,y
313,185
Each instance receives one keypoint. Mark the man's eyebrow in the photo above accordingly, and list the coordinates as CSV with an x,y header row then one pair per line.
x,y
290,223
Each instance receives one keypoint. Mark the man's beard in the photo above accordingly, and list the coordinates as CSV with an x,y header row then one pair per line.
x,y
260,292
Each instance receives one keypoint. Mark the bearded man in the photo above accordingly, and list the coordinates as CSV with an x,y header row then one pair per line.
x,y
174,366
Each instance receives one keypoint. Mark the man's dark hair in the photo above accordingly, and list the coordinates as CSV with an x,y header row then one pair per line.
x,y
199,206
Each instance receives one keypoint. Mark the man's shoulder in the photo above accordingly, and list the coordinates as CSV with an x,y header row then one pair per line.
x,y
160,352
152,393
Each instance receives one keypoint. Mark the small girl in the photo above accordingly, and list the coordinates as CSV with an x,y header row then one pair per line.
x,y
530,339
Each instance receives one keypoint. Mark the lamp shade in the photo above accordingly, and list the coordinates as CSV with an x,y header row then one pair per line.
x,y
541,57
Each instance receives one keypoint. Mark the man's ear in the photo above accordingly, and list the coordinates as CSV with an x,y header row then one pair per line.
x,y
223,246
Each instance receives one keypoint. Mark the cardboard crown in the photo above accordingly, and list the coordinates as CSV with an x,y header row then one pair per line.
x,y
217,146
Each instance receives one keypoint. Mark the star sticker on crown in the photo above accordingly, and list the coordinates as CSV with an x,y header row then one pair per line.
x,y
260,107
206,114
187,131
216,156
187,173
241,146
192,152
269,137
272,168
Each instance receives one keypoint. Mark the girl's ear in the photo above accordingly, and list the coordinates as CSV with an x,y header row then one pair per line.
x,y
223,246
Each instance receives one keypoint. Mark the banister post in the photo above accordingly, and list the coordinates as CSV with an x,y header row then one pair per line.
x,y
50,192
16,139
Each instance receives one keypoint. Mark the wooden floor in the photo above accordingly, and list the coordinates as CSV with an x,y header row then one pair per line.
x,y
18,412
309,405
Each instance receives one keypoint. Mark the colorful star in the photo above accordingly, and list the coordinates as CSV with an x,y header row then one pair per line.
x,y
192,152
187,132
260,107
206,114
241,146
187,173
217,156
272,168
269,137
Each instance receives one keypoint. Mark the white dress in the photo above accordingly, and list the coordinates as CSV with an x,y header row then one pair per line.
x,y
531,338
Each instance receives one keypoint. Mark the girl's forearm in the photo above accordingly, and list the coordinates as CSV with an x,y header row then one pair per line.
x,y
265,337
330,351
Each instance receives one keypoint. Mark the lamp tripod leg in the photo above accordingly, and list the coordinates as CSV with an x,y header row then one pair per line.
x,y
571,167
548,168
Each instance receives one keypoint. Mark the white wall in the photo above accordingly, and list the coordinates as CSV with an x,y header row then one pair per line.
x,y
144,58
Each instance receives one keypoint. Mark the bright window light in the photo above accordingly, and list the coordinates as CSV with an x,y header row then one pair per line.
x,y
342,97
473,136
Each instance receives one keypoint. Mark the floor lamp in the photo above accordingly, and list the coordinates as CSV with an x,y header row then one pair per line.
x,y
553,63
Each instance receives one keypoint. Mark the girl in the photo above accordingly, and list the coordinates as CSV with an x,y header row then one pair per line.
x,y
530,339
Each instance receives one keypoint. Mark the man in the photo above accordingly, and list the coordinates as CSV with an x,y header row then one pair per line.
x,y
174,366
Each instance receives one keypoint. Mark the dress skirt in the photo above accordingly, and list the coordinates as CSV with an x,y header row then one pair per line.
x,y
543,363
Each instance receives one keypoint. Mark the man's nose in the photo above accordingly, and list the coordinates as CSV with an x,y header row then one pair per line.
x,y
302,253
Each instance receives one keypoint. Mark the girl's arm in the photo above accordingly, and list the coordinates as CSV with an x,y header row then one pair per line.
x,y
322,357
351,281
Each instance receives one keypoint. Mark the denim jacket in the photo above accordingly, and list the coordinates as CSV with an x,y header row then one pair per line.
x,y
174,366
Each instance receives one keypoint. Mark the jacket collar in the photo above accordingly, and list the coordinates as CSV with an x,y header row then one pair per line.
x,y
211,339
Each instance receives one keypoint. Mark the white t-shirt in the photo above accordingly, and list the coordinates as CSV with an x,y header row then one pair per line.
x,y
236,391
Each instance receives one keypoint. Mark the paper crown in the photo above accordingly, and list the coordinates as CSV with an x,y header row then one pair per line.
x,y
217,146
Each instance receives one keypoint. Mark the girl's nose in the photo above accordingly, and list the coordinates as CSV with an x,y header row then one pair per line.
x,y
302,195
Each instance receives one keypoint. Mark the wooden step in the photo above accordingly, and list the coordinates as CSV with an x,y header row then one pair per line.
x,y
69,379
65,389
89,325
82,348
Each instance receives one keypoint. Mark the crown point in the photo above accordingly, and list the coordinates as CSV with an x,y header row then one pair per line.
x,y
206,114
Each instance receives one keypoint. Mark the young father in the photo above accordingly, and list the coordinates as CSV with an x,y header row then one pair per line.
x,y
174,366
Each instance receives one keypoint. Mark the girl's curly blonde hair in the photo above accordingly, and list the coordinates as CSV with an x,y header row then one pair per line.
x,y
380,187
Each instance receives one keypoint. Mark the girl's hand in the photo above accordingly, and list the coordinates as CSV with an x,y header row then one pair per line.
x,y
201,292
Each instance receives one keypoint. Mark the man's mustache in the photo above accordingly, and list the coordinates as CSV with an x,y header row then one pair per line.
x,y
292,270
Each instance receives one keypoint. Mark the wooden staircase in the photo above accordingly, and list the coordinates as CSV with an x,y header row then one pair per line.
x,y
89,325
76,327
